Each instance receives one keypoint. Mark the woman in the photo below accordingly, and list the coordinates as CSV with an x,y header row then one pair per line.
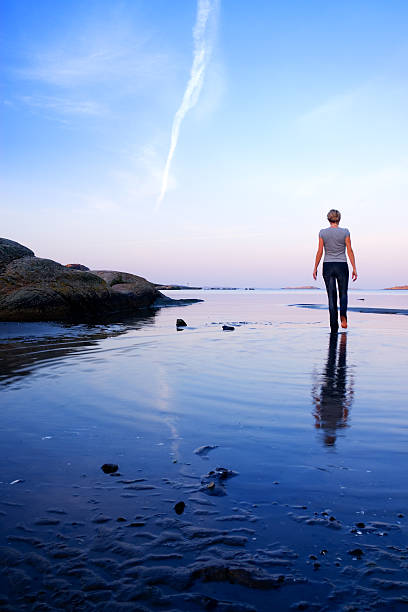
x,y
335,241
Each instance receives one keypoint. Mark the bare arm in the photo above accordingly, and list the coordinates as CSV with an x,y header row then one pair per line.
x,y
318,257
352,259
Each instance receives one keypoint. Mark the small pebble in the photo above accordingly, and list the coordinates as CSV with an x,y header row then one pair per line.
x,y
109,468
356,552
179,507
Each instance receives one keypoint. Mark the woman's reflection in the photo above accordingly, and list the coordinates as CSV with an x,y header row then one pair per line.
x,y
333,392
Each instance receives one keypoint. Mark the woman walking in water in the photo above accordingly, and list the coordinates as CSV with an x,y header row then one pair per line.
x,y
335,241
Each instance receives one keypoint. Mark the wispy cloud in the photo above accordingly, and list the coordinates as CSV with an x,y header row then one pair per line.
x,y
331,109
95,52
66,68
137,180
92,66
64,106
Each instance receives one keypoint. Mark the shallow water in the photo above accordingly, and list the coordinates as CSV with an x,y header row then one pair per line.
x,y
315,427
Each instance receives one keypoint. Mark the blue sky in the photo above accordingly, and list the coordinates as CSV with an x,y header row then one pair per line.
x,y
302,108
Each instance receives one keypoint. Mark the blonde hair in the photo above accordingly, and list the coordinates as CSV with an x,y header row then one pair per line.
x,y
334,216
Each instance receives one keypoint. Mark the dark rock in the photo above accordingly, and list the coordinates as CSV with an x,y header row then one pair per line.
x,y
109,468
356,552
35,289
228,328
163,300
214,482
176,287
360,525
204,450
10,250
179,507
245,576
100,519
224,473
47,521
181,323
129,291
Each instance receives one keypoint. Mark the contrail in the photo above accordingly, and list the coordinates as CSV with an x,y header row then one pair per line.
x,y
202,52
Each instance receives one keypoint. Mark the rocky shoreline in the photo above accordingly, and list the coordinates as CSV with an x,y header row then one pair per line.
x,y
397,288
38,289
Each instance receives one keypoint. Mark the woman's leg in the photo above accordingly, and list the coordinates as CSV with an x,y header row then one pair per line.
x,y
330,282
343,280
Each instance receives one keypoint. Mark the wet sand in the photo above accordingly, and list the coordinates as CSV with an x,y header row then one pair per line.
x,y
260,468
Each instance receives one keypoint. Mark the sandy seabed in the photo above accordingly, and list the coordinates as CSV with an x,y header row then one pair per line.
x,y
258,469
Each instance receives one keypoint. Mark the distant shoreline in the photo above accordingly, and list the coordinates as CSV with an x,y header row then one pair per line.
x,y
302,287
170,287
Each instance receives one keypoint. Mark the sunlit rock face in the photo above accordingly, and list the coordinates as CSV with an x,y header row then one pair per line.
x,y
77,267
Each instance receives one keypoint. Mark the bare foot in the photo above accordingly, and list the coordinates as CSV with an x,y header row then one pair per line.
x,y
343,321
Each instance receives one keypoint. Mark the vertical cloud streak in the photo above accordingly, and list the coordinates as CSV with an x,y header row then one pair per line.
x,y
206,9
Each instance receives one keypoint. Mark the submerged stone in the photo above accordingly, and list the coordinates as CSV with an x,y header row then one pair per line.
x,y
179,507
109,468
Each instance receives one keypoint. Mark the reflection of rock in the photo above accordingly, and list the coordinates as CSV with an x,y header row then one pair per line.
x,y
77,267
10,250
20,359
35,289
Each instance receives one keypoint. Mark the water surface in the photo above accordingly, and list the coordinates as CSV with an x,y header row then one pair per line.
x,y
315,426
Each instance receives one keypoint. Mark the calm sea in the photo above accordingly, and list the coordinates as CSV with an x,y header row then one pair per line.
x,y
315,427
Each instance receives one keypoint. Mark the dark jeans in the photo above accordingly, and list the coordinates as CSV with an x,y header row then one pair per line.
x,y
336,272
